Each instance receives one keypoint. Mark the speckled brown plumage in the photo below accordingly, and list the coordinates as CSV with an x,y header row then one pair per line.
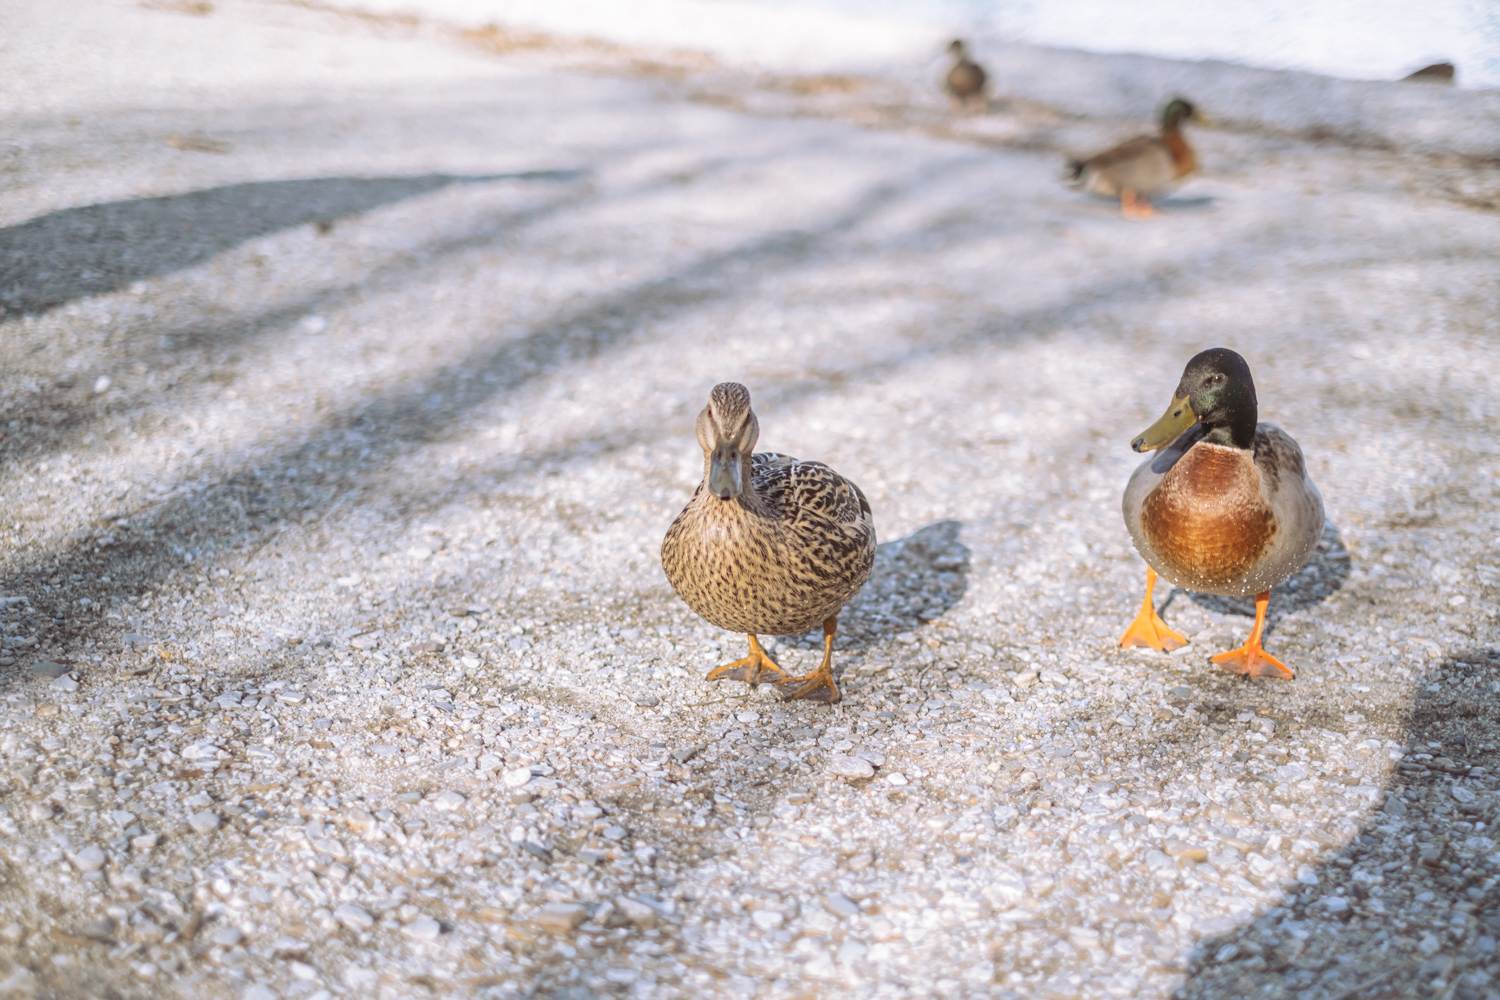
x,y
786,553
778,561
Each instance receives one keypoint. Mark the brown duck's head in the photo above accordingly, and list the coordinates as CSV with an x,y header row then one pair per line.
x,y
1216,392
957,49
1179,110
727,431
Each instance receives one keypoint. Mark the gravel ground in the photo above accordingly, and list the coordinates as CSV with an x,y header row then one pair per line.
x,y
347,379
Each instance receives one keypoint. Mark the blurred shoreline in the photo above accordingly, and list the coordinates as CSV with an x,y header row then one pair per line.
x,y
1377,40
790,49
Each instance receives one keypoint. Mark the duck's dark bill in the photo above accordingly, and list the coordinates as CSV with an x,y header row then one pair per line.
x,y
1178,418
724,474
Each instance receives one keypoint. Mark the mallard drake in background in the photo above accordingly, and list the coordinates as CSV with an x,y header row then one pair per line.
x,y
768,545
966,80
1139,168
1224,507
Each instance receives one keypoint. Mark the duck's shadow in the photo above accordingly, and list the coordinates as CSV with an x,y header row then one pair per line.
x,y
1187,203
1320,579
1172,204
916,579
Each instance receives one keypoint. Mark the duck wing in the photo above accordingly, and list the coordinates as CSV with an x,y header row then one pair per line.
x,y
1142,164
1295,502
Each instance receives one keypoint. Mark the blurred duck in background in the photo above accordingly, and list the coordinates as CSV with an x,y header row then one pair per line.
x,y
1140,168
967,83
1438,72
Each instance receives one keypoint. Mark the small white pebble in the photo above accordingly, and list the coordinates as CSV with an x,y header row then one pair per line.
x,y
840,905
853,768
204,821
561,918
447,801
356,918
226,936
767,920
424,929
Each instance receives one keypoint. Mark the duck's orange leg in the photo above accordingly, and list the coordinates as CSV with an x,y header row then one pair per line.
x,y
752,669
1148,629
1251,658
818,685
1134,206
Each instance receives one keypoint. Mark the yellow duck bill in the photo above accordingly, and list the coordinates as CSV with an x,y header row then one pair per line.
x,y
1178,418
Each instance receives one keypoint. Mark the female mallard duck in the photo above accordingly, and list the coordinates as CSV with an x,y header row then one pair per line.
x,y
768,545
966,79
1225,507
1138,168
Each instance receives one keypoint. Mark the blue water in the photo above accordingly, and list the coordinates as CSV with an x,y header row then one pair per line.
x,y
1359,39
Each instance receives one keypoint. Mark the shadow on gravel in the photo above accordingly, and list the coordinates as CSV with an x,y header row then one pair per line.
x,y
1322,577
1187,203
1170,205
916,579
94,249
1410,907
305,478
198,345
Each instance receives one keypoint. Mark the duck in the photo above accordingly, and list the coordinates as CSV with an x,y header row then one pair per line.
x,y
768,545
1139,168
1438,72
1225,506
966,81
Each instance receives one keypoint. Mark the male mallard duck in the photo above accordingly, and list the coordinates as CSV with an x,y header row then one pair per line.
x,y
1138,168
768,545
1225,507
966,80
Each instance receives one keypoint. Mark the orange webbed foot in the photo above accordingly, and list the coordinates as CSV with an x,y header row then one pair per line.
x,y
1148,629
751,669
1135,207
817,686
1252,661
